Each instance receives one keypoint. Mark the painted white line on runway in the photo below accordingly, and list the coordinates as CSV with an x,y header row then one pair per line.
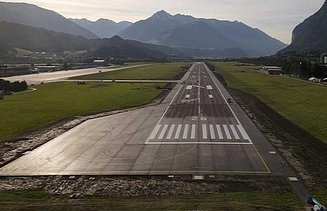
x,y
193,131
212,132
188,87
170,133
227,132
178,131
204,132
220,133
244,134
185,131
236,136
163,131
214,79
154,132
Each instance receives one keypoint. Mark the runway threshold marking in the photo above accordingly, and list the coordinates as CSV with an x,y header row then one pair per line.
x,y
185,131
178,132
236,136
163,132
204,132
193,131
228,136
170,132
212,132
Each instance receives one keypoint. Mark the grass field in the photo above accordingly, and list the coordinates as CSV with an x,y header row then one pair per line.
x,y
223,201
301,102
159,71
31,110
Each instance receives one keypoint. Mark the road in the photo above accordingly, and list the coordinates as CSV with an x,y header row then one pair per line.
x,y
193,131
62,75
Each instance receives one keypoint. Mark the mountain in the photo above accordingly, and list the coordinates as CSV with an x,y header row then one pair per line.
x,y
183,31
310,36
13,35
38,39
31,15
103,28
119,48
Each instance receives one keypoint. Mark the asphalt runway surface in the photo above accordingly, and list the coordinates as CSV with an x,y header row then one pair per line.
x,y
193,131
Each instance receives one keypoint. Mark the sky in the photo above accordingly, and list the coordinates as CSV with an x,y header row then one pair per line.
x,y
275,17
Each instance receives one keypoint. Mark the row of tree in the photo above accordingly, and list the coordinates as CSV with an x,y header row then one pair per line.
x,y
298,66
16,86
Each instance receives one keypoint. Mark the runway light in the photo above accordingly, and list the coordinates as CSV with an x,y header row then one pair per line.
x,y
293,179
198,177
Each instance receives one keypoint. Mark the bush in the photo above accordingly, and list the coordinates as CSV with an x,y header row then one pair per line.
x,y
16,86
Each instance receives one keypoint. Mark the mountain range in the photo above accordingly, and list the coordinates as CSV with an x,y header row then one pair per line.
x,y
311,35
103,28
13,35
33,28
183,31
32,15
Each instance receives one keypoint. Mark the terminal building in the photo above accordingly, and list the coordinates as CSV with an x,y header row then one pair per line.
x,y
272,70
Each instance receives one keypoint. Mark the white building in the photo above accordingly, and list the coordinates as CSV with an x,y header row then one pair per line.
x,y
272,70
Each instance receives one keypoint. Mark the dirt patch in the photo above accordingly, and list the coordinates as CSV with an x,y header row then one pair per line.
x,y
129,186
306,154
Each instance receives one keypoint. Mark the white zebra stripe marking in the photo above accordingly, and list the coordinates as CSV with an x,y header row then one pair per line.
x,y
163,131
170,133
204,132
244,134
178,131
236,136
193,131
185,131
212,132
220,133
154,132
229,137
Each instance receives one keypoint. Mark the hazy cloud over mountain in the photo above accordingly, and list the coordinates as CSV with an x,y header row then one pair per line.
x,y
276,17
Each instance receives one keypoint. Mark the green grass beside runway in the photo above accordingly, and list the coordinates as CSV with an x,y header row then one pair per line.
x,y
154,71
301,102
32,110
222,201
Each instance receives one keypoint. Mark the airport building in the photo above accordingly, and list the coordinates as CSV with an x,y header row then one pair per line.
x,y
272,70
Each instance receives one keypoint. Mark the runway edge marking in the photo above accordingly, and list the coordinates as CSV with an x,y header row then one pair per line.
x,y
260,156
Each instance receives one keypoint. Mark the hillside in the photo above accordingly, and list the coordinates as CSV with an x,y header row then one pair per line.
x,y
103,28
14,35
38,39
212,35
32,15
310,35
119,48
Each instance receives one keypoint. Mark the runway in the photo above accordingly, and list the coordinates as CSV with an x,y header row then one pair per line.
x,y
195,130
48,77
